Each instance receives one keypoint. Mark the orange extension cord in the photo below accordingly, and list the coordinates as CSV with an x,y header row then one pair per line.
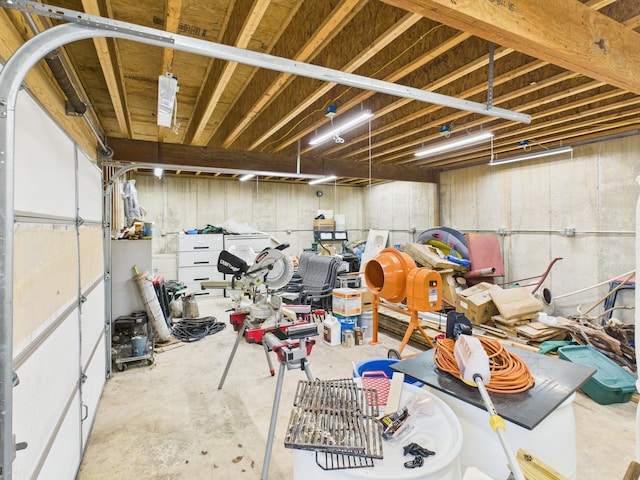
x,y
509,374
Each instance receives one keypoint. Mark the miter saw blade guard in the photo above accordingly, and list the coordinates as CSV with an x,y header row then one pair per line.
x,y
272,267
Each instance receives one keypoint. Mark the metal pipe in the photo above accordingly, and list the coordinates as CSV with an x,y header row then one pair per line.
x,y
53,60
70,87
114,28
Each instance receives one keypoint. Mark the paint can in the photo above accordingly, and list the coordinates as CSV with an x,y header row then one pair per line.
x,y
358,334
348,338
189,307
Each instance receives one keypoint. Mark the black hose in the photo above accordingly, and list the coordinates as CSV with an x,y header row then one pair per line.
x,y
194,329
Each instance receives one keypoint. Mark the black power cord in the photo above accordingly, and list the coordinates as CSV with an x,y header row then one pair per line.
x,y
194,329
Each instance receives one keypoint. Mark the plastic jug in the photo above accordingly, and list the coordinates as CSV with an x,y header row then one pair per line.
x,y
331,328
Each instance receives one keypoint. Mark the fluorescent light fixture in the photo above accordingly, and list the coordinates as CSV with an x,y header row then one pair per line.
x,y
246,176
335,132
532,155
157,172
461,142
167,88
322,180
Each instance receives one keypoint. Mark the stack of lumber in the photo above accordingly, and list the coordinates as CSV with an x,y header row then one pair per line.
x,y
540,332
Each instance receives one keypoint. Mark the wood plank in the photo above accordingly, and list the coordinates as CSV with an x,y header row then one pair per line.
x,y
309,50
110,71
567,34
136,151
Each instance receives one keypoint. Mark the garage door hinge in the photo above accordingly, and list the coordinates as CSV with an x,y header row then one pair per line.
x,y
3,107
82,299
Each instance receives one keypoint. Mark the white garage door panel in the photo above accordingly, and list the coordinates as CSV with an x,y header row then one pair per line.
x,y
48,380
89,189
64,456
92,390
42,147
92,321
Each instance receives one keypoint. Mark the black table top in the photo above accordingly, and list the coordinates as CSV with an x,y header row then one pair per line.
x,y
555,381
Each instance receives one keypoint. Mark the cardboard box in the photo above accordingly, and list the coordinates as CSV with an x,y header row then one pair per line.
x,y
346,302
324,225
476,303
450,286
515,302
366,299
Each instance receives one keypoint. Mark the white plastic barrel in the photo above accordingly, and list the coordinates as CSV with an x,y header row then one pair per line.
x,y
552,441
439,431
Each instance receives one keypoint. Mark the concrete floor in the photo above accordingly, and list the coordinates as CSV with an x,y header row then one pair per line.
x,y
170,420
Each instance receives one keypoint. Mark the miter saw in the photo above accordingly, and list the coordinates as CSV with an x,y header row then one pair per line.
x,y
252,290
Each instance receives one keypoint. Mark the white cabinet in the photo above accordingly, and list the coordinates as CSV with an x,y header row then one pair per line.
x,y
246,246
198,262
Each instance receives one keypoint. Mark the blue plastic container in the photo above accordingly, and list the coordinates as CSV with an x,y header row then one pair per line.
x,y
382,364
347,323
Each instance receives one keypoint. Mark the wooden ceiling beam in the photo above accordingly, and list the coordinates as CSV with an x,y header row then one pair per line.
x,y
568,34
523,70
452,42
246,34
172,12
111,73
320,39
577,121
137,151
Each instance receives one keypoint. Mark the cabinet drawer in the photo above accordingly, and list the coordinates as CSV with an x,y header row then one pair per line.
x,y
205,242
198,274
198,258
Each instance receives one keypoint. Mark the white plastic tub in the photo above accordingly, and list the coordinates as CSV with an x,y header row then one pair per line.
x,y
552,441
440,432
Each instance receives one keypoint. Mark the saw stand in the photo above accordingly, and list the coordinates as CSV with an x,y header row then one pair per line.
x,y
292,349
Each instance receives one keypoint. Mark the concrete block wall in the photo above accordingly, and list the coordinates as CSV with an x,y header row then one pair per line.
x,y
594,192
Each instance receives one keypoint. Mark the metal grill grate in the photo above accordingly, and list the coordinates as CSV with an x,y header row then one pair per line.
x,y
334,418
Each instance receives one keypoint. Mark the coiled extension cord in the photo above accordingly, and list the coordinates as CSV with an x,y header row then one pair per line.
x,y
509,374
194,329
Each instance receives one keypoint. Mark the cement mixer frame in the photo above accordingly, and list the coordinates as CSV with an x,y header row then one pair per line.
x,y
393,276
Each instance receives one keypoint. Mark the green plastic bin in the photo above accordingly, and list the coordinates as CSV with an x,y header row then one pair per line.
x,y
610,384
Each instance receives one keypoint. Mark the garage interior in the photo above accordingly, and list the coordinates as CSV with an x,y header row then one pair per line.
x,y
553,87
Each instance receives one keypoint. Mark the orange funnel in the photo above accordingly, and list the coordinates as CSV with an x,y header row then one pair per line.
x,y
386,274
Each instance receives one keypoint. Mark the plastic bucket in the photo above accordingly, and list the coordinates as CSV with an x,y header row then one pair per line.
x,y
552,441
440,432
366,321
138,346
382,364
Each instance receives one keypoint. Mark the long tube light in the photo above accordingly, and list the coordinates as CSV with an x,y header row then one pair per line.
x,y
246,176
461,142
335,132
530,156
322,180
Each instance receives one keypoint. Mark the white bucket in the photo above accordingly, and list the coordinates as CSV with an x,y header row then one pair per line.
x,y
552,441
365,320
440,431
